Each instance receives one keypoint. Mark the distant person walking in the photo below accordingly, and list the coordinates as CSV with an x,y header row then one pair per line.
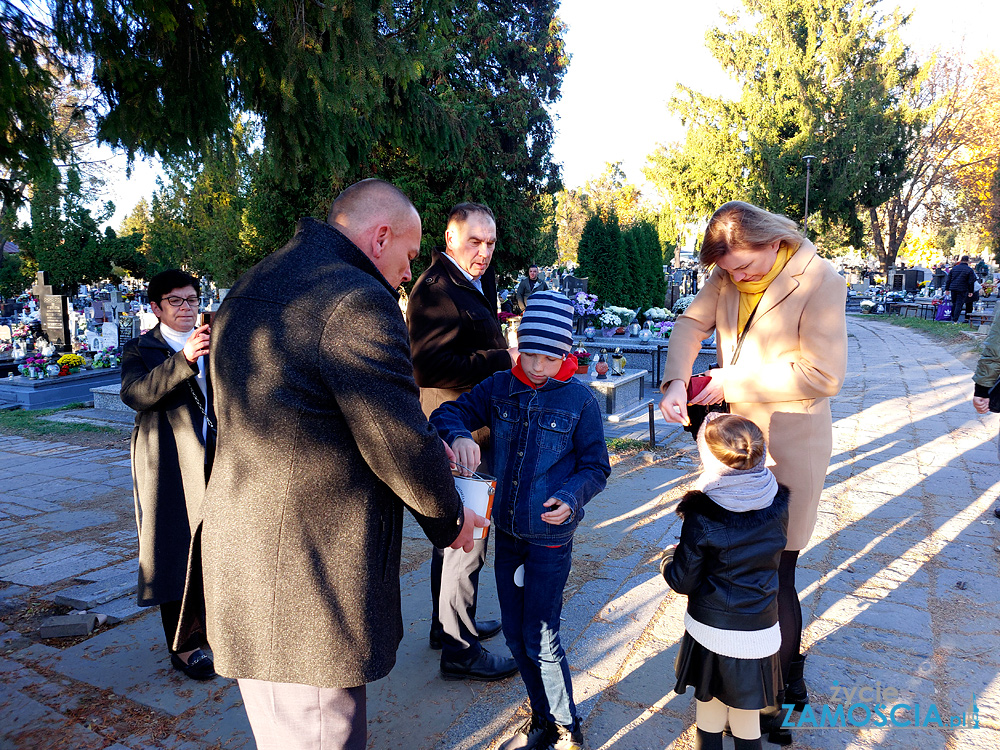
x,y
164,380
961,283
528,285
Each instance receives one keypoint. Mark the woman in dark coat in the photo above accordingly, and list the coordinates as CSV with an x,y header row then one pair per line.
x,y
164,380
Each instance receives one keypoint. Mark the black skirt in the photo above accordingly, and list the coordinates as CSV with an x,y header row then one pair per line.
x,y
739,683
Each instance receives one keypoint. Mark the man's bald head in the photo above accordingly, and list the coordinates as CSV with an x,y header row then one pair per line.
x,y
366,204
384,224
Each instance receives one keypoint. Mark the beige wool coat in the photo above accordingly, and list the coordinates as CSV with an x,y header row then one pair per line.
x,y
793,361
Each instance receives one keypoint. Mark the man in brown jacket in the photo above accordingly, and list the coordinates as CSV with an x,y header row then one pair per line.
x,y
322,442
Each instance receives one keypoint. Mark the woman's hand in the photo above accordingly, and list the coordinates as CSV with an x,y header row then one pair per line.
x,y
712,393
467,454
197,344
981,404
673,405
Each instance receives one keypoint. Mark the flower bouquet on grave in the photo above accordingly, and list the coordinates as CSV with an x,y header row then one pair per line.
x,y
69,363
582,361
610,321
105,358
34,366
625,315
658,315
662,330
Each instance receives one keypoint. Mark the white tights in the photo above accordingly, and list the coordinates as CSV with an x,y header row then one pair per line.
x,y
711,717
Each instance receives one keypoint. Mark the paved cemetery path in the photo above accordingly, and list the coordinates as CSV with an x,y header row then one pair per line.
x,y
900,589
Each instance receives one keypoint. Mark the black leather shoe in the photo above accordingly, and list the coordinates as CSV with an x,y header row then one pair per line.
x,y
199,665
486,667
996,511
486,630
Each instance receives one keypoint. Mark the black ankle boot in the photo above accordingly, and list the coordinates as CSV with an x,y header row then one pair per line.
x,y
771,719
795,690
742,744
707,740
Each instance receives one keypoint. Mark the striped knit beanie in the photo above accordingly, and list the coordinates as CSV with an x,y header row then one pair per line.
x,y
547,325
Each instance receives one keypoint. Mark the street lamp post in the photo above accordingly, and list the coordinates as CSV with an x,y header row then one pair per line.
x,y
805,221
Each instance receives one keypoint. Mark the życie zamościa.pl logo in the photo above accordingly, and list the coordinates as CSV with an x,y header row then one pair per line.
x,y
867,705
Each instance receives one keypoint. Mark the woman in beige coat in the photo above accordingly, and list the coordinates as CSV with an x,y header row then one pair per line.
x,y
769,281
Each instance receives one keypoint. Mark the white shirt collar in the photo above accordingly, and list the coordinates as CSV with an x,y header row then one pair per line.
x,y
477,283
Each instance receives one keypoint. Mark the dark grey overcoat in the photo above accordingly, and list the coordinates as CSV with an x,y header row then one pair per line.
x,y
321,444
168,461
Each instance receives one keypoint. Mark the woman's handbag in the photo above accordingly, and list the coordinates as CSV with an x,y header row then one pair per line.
x,y
698,412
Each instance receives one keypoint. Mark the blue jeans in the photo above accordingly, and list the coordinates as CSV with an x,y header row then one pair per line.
x,y
530,616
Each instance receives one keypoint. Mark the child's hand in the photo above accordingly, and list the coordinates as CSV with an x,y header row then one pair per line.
x,y
467,454
559,514
667,557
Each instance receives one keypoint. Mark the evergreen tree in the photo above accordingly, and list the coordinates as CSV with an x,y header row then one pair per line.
x,y
633,291
602,259
823,79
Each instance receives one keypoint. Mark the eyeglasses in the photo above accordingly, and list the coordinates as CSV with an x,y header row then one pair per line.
x,y
178,301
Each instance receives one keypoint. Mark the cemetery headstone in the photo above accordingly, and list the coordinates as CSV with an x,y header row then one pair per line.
x,y
147,321
129,328
573,285
116,306
54,313
93,339
97,312
109,335
5,334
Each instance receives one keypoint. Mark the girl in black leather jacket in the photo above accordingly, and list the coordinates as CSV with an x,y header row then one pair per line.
x,y
727,564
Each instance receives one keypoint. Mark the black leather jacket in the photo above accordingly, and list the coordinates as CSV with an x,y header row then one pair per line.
x,y
727,563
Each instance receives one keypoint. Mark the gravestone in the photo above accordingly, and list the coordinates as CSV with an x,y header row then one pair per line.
x,y
109,335
147,321
116,306
572,285
129,328
5,334
93,340
99,313
54,313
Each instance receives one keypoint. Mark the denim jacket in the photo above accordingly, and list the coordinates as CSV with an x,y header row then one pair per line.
x,y
547,442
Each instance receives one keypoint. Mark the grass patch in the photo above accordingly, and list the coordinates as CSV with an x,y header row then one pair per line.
x,y
948,333
24,422
626,445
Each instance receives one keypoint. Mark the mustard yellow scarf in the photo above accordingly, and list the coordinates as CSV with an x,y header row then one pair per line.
x,y
752,291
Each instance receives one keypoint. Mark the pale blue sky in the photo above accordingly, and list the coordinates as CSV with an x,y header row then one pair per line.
x,y
627,58
628,61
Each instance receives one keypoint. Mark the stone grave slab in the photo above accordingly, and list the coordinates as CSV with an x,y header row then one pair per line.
x,y
617,393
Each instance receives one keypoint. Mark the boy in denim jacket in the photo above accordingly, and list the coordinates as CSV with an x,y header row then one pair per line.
x,y
550,458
